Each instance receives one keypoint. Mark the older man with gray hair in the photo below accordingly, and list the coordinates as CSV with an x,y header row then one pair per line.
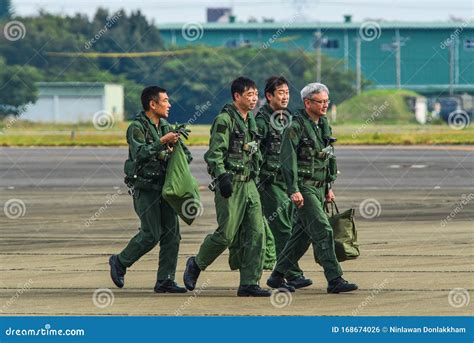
x,y
308,169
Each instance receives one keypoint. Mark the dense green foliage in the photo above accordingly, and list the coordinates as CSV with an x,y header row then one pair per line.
x,y
197,81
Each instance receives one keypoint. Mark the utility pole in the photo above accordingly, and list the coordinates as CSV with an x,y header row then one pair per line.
x,y
398,58
451,66
358,65
456,60
318,55
346,50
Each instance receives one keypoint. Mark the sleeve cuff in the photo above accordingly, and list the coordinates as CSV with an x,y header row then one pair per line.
x,y
158,146
219,171
293,190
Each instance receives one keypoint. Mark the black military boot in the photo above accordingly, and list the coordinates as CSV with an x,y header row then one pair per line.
x,y
191,273
168,286
252,291
276,280
299,282
117,271
339,285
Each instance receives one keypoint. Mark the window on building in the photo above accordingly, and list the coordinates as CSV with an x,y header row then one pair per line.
x,y
388,47
237,43
327,43
469,44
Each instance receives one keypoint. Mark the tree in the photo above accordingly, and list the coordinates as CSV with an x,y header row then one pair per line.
x,y
6,9
17,87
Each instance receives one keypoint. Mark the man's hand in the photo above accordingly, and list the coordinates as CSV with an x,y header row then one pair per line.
x,y
225,184
330,197
297,199
170,137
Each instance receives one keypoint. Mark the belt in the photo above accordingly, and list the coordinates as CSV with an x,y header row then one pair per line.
x,y
271,177
309,182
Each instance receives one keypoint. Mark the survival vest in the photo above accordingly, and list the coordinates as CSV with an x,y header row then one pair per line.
x,y
148,174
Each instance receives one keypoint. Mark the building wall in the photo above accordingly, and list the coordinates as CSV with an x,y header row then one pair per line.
x,y
114,101
75,102
424,58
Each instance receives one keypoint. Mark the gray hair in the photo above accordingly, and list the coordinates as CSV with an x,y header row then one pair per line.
x,y
313,88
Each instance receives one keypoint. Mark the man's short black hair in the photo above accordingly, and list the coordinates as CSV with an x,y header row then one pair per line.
x,y
272,83
240,85
150,93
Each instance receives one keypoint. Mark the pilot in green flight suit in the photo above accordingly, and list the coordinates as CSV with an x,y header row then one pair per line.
x,y
272,119
233,161
308,166
150,143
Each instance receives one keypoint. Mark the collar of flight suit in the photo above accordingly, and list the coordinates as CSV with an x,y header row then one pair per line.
x,y
234,113
158,131
312,128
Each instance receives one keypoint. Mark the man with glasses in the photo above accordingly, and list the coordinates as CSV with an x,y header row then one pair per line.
x,y
308,168
150,142
233,161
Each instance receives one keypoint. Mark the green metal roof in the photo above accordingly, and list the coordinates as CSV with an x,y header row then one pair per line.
x,y
73,84
468,88
325,25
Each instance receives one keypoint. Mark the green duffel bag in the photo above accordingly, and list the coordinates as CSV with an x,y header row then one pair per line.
x,y
345,233
181,189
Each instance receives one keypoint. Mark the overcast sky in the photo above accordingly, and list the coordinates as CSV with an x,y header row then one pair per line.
x,y
179,11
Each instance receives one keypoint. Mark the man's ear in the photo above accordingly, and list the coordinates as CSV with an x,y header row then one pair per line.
x,y
151,105
268,96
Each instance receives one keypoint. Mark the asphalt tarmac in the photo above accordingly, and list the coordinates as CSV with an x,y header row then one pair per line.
x,y
66,210
361,167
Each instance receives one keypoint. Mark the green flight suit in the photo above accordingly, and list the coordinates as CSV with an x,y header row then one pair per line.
x,y
240,215
307,169
277,207
158,221
268,256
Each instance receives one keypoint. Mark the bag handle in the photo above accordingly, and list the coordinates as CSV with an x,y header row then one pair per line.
x,y
333,205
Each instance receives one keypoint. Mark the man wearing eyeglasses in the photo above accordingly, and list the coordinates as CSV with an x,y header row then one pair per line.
x,y
308,168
